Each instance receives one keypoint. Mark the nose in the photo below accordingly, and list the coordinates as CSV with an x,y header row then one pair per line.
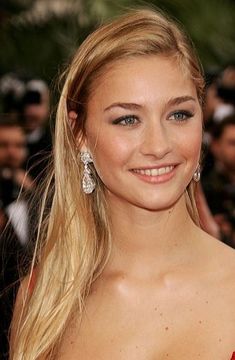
x,y
156,140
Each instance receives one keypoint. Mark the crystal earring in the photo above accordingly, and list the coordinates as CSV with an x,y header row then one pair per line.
x,y
197,174
88,183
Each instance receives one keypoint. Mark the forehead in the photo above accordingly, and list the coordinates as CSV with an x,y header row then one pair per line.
x,y
143,78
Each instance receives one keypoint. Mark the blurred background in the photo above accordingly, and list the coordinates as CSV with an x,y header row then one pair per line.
x,y
37,40
38,36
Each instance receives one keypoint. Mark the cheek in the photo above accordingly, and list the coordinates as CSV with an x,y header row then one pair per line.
x,y
110,151
191,143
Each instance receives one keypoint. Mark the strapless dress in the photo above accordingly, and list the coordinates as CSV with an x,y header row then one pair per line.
x,y
233,356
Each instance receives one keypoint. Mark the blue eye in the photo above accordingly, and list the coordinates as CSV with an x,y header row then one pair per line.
x,y
127,120
180,115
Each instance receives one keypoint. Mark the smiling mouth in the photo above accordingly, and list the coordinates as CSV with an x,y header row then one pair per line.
x,y
154,172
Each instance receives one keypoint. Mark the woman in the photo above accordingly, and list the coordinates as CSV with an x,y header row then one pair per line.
x,y
125,272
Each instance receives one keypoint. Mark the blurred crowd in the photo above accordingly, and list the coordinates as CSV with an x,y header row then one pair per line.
x,y
218,163
26,143
25,146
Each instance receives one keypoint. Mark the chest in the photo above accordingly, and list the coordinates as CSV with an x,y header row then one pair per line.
x,y
192,326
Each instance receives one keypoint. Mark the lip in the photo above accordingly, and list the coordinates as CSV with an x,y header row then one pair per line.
x,y
155,178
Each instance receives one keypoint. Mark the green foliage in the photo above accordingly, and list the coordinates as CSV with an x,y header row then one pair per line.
x,y
40,49
209,23
11,7
42,46
211,26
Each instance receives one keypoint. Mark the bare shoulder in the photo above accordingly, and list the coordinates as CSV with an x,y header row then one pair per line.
x,y
217,276
226,262
220,259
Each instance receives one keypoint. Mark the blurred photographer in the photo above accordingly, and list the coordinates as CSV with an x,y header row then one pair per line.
x,y
13,219
219,183
12,177
35,114
226,94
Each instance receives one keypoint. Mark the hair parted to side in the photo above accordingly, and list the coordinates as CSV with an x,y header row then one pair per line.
x,y
76,237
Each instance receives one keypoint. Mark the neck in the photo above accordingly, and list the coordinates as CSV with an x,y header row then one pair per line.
x,y
142,238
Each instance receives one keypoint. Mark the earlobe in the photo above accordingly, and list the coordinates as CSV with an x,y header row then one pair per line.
x,y
72,116
83,145
79,137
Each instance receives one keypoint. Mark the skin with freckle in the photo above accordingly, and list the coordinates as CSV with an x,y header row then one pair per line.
x,y
126,272
156,139
164,298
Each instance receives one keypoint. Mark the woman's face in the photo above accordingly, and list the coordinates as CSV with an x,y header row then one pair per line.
x,y
143,129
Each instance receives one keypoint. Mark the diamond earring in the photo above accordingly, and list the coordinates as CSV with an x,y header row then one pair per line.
x,y
88,183
197,174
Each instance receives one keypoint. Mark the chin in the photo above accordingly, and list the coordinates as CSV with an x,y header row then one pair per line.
x,y
157,204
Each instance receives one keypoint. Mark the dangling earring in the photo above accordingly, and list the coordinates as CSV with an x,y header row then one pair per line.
x,y
88,183
197,174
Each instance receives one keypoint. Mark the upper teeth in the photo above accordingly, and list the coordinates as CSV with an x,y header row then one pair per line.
x,y
155,172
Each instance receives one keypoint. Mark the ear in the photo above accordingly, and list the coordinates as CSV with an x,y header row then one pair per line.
x,y
73,117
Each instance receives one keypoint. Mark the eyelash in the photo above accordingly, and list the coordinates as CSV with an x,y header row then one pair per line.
x,y
185,115
124,119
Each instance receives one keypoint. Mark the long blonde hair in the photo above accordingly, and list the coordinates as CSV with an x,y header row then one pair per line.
x,y
74,236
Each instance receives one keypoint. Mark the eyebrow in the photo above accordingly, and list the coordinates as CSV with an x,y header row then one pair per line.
x,y
127,106
181,99
132,106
